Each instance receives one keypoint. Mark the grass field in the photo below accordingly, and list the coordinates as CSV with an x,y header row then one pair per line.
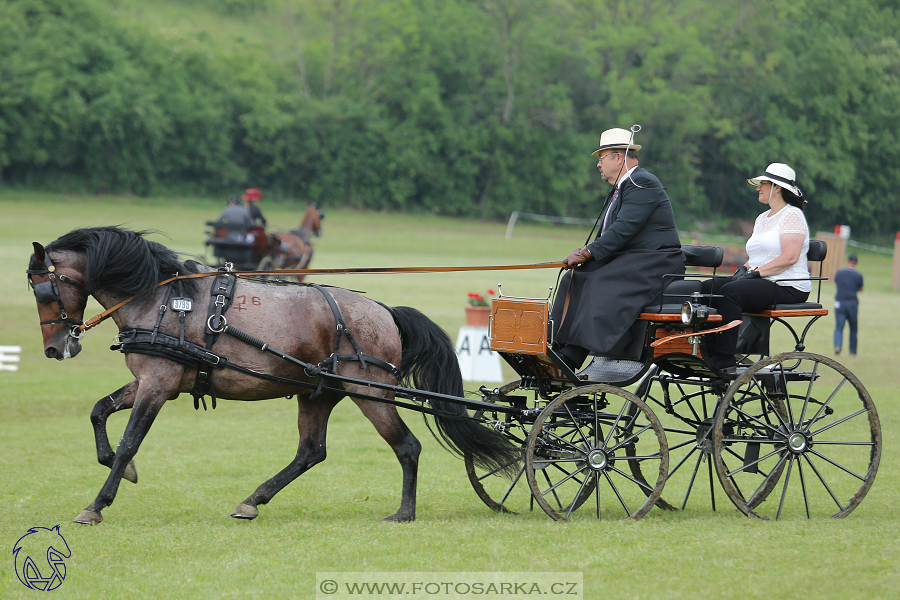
x,y
170,535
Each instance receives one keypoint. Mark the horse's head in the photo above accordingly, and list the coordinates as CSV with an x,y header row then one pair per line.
x,y
312,220
61,298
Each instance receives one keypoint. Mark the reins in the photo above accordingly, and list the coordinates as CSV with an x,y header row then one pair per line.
x,y
97,319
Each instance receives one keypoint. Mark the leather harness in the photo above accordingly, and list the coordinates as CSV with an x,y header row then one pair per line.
x,y
205,360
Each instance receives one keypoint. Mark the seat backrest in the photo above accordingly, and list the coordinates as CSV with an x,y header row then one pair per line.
x,y
703,256
817,251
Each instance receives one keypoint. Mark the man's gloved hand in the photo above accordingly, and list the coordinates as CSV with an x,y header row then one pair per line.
x,y
577,257
748,275
739,274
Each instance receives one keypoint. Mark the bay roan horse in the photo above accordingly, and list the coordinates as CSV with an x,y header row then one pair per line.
x,y
113,264
293,249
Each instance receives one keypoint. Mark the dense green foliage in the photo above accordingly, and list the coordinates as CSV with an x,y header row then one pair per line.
x,y
461,107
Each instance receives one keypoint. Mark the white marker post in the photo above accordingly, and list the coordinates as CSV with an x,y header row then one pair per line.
x,y
9,358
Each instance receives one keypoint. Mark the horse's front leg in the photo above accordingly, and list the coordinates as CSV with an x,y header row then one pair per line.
x,y
121,399
147,405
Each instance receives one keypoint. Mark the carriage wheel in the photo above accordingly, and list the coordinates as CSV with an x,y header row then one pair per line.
x,y
267,264
686,409
497,492
796,433
588,437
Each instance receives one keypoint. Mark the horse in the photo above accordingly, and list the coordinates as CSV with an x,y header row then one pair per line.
x,y
132,277
293,249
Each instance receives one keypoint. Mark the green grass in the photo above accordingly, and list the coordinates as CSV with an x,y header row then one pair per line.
x,y
170,535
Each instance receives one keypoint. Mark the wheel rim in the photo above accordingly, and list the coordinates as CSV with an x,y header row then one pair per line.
x,y
797,434
576,454
497,492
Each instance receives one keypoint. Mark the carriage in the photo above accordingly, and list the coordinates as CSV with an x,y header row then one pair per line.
x,y
789,433
251,248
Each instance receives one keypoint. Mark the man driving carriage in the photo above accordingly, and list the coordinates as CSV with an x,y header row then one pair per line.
x,y
252,196
621,271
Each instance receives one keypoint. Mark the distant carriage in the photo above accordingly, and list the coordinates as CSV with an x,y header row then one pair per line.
x,y
250,248
293,249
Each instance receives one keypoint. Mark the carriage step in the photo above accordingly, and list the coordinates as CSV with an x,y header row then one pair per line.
x,y
610,370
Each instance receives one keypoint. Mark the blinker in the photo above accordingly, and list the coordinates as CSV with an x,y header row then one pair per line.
x,y
45,292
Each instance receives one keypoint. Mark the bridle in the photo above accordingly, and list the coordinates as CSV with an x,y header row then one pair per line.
x,y
48,291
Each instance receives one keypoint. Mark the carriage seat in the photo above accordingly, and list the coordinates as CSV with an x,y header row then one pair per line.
x,y
626,360
678,290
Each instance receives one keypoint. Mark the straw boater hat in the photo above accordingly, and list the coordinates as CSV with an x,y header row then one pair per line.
x,y
615,138
252,195
779,174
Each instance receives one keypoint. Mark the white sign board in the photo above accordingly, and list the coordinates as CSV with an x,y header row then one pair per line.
x,y
476,360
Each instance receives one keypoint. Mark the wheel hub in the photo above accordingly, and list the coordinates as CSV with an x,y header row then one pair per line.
x,y
597,459
797,442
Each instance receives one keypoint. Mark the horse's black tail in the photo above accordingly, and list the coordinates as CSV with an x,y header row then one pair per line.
x,y
429,363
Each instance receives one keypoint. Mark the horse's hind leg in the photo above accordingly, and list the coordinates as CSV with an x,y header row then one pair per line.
x,y
405,445
312,422
121,399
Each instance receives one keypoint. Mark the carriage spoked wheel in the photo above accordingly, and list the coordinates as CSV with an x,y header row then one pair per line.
x,y
796,434
267,263
498,492
586,439
686,409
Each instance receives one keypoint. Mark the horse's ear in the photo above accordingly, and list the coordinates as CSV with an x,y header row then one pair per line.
x,y
39,251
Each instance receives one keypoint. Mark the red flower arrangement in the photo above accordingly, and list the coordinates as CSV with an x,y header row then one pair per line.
x,y
476,299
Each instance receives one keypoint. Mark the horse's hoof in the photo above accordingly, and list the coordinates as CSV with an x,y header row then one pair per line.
x,y
131,472
245,511
400,518
88,517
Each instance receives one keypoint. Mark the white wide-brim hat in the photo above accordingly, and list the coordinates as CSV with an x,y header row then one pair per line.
x,y
615,138
779,174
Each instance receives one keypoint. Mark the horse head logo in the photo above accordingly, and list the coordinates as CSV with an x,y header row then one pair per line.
x,y
40,558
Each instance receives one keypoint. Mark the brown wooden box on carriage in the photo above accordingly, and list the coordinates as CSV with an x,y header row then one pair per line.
x,y
519,325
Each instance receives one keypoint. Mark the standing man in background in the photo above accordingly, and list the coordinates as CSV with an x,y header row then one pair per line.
x,y
849,283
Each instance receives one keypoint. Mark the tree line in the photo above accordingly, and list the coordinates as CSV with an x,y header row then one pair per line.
x,y
459,107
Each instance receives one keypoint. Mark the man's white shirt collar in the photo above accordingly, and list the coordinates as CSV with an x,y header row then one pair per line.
x,y
626,176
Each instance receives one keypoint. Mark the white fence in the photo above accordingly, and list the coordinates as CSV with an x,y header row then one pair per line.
x,y
9,358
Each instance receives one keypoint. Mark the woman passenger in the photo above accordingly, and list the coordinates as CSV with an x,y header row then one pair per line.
x,y
776,270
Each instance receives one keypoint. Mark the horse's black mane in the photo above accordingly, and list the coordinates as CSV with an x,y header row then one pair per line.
x,y
123,262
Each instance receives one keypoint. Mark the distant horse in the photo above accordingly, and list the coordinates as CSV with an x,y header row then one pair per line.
x,y
113,264
293,249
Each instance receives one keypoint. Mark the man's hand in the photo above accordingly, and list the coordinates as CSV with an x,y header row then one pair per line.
x,y
577,257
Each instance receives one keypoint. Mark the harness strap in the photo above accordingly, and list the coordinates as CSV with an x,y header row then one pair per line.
x,y
220,296
144,341
341,328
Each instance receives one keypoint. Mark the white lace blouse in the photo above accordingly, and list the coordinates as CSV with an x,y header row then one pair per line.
x,y
765,244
